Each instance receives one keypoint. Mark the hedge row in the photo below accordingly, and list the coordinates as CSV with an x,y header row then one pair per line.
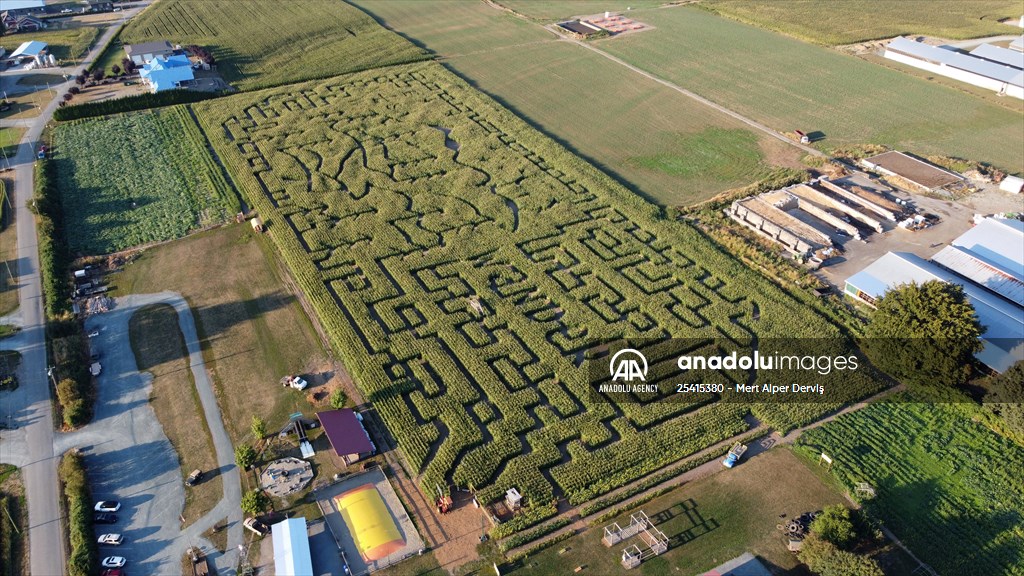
x,y
54,257
527,536
131,103
84,556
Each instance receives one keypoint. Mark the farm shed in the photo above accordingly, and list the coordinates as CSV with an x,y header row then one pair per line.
x,y
745,564
1003,56
925,176
369,522
991,255
957,65
578,28
767,216
291,548
144,53
1004,338
33,49
1012,184
167,73
348,437
22,7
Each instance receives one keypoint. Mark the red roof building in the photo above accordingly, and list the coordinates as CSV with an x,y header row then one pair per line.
x,y
348,437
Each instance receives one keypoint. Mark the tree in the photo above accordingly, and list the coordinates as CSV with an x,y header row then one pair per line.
x,y
129,65
80,79
74,90
835,526
115,69
1005,398
338,399
98,74
245,456
259,427
254,502
924,334
825,559
67,96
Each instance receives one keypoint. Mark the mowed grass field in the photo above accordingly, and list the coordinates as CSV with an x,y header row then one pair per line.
x,y
260,43
159,349
560,9
949,488
788,84
656,141
137,178
251,328
838,22
708,522
8,251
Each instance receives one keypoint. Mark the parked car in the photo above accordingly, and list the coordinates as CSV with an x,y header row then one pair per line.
x,y
66,11
256,526
101,518
107,506
114,561
94,333
113,572
295,382
110,540
194,478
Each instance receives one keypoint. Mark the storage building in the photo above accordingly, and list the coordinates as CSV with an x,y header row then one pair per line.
x,y
291,548
1001,78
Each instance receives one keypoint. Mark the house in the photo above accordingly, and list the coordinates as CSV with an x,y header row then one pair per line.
x,y
167,73
15,23
1003,339
23,7
144,53
34,49
291,548
344,429
980,71
99,5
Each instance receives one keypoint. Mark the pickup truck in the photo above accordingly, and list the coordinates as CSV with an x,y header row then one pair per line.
x,y
734,455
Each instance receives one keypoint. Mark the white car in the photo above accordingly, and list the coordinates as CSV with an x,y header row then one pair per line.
x,y
114,562
66,11
110,540
107,506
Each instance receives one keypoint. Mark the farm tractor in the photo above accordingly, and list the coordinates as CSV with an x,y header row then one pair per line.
x,y
734,455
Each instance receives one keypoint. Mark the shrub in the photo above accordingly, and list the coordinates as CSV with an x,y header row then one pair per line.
x,y
130,103
338,399
259,427
254,502
78,498
54,258
245,456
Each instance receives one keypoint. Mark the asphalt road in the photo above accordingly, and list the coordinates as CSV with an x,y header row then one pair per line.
x,y
31,445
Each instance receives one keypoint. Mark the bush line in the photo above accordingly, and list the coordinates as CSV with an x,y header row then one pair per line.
x,y
131,103
84,557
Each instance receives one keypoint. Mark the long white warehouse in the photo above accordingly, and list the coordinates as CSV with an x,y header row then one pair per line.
x,y
1001,77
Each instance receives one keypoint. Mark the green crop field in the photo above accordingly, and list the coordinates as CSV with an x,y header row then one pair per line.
x,y
549,10
848,21
137,178
660,143
788,84
259,43
462,276
948,487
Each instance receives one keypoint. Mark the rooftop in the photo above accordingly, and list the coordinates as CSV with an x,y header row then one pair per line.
x,y
148,47
744,565
345,431
22,4
917,171
30,48
959,60
291,548
1000,55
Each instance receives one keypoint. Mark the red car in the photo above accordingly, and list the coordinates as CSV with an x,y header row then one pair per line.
x,y
114,572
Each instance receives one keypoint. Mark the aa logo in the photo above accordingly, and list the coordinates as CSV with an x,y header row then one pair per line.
x,y
627,365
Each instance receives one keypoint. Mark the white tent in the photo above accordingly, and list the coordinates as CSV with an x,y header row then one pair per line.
x,y
291,548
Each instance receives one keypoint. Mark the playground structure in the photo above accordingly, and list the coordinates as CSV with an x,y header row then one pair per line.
x,y
639,525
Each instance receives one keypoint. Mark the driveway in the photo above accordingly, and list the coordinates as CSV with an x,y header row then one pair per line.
x,y
131,460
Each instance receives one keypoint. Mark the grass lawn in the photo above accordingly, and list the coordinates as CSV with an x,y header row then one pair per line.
x,y
261,43
252,329
65,43
40,79
160,350
793,85
707,522
13,539
8,249
560,9
658,142
949,488
137,178
26,105
10,137
850,21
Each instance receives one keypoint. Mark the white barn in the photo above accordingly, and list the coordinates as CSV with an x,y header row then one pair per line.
x,y
1002,78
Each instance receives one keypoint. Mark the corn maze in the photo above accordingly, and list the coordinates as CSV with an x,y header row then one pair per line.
x,y
463,264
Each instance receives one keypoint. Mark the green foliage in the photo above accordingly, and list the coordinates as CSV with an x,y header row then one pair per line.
x,y
245,456
64,43
835,526
528,536
1006,398
449,278
950,488
849,21
54,257
130,104
84,557
254,502
924,334
825,559
338,399
74,409
137,178
723,154
258,427
299,39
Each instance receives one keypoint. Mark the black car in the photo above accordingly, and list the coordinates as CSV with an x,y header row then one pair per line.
x,y
104,518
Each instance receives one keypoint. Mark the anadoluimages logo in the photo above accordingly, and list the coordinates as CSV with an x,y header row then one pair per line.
x,y
628,364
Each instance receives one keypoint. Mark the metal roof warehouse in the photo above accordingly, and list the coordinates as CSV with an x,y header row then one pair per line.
x,y
977,68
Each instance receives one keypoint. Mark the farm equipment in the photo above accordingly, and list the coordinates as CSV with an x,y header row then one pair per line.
x,y
444,502
734,455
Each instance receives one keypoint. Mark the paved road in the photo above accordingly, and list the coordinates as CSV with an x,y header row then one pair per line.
x,y
31,446
131,460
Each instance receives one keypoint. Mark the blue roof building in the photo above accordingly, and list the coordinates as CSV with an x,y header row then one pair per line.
x,y
167,72
1003,320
